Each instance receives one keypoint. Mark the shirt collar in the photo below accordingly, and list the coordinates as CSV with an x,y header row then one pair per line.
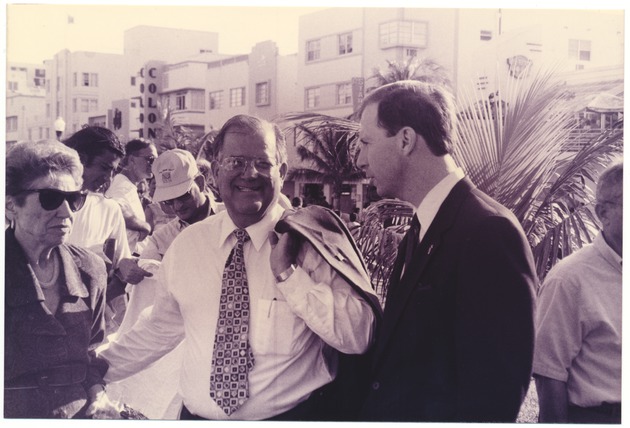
x,y
258,232
607,252
431,203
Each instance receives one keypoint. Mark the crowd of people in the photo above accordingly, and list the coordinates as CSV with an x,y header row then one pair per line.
x,y
131,283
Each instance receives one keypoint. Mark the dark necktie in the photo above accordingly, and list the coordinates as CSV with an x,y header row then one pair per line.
x,y
413,238
232,357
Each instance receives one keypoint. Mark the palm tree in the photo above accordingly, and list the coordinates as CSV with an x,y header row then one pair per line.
x,y
412,68
172,135
519,155
325,148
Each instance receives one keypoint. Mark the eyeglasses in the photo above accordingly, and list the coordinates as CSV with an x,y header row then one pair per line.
x,y
182,199
149,159
240,164
51,199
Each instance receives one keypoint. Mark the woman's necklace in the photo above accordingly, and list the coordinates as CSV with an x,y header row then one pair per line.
x,y
53,277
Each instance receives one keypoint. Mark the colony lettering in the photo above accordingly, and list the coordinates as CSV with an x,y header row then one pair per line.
x,y
148,105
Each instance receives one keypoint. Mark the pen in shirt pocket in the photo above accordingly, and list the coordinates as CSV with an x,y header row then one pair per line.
x,y
270,305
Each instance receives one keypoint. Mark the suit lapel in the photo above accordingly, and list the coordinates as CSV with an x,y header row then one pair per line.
x,y
410,280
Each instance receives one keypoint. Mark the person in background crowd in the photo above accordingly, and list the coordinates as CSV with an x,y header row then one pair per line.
x,y
290,311
100,225
157,214
136,166
297,202
577,365
457,339
54,292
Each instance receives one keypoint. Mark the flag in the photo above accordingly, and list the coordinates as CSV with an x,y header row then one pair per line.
x,y
70,19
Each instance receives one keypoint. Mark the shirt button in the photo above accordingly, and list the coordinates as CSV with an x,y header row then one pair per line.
x,y
376,386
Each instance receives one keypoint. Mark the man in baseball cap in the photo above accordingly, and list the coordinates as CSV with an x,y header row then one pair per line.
x,y
179,185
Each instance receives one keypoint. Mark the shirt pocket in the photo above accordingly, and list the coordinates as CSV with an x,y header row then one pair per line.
x,y
276,330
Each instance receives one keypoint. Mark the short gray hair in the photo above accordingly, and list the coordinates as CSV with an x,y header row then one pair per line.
x,y
610,184
29,161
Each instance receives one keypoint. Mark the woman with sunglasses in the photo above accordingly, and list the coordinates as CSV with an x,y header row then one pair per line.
x,y
54,292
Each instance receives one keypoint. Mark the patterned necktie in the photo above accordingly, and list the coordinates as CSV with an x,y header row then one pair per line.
x,y
232,357
413,238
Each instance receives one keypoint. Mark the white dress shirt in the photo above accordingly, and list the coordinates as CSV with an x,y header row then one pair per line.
x,y
428,208
123,191
292,324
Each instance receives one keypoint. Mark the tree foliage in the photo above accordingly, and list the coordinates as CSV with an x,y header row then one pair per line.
x,y
325,147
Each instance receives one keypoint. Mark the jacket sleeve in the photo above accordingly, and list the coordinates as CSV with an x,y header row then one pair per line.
x,y
328,304
94,270
494,326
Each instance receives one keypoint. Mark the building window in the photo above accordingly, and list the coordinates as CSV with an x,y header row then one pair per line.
x,y
41,132
215,100
85,105
30,133
485,35
12,86
74,105
237,97
12,123
403,33
89,79
133,80
411,53
580,49
197,100
94,104
345,43
180,102
47,110
58,84
58,109
312,97
344,94
74,79
47,133
262,93
312,50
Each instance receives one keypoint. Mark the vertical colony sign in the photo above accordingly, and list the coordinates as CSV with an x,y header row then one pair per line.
x,y
150,88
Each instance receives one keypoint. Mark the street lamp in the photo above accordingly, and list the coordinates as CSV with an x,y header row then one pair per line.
x,y
60,126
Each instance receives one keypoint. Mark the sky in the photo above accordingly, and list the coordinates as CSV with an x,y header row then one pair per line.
x,y
38,30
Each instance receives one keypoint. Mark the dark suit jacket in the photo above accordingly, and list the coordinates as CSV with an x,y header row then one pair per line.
x,y
340,400
457,338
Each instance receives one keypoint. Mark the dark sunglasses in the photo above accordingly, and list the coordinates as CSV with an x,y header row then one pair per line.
x,y
183,198
51,199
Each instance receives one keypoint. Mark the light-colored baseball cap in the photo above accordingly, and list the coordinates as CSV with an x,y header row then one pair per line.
x,y
174,172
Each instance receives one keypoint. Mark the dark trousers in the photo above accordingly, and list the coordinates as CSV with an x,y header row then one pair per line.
x,y
305,411
607,413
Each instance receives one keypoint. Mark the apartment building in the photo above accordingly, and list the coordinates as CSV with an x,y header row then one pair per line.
x,y
25,107
338,52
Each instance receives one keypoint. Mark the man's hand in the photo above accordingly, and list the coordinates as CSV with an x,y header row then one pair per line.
x,y
129,271
284,251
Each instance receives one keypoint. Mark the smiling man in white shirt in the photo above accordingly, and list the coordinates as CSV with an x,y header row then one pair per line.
x,y
301,312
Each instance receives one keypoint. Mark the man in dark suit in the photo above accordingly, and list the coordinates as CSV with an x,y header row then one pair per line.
x,y
457,338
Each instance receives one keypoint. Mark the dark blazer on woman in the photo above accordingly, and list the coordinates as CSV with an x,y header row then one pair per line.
x,y
457,338
49,359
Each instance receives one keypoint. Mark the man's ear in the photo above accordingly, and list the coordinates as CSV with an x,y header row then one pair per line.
x,y
9,207
407,139
601,210
215,169
283,170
